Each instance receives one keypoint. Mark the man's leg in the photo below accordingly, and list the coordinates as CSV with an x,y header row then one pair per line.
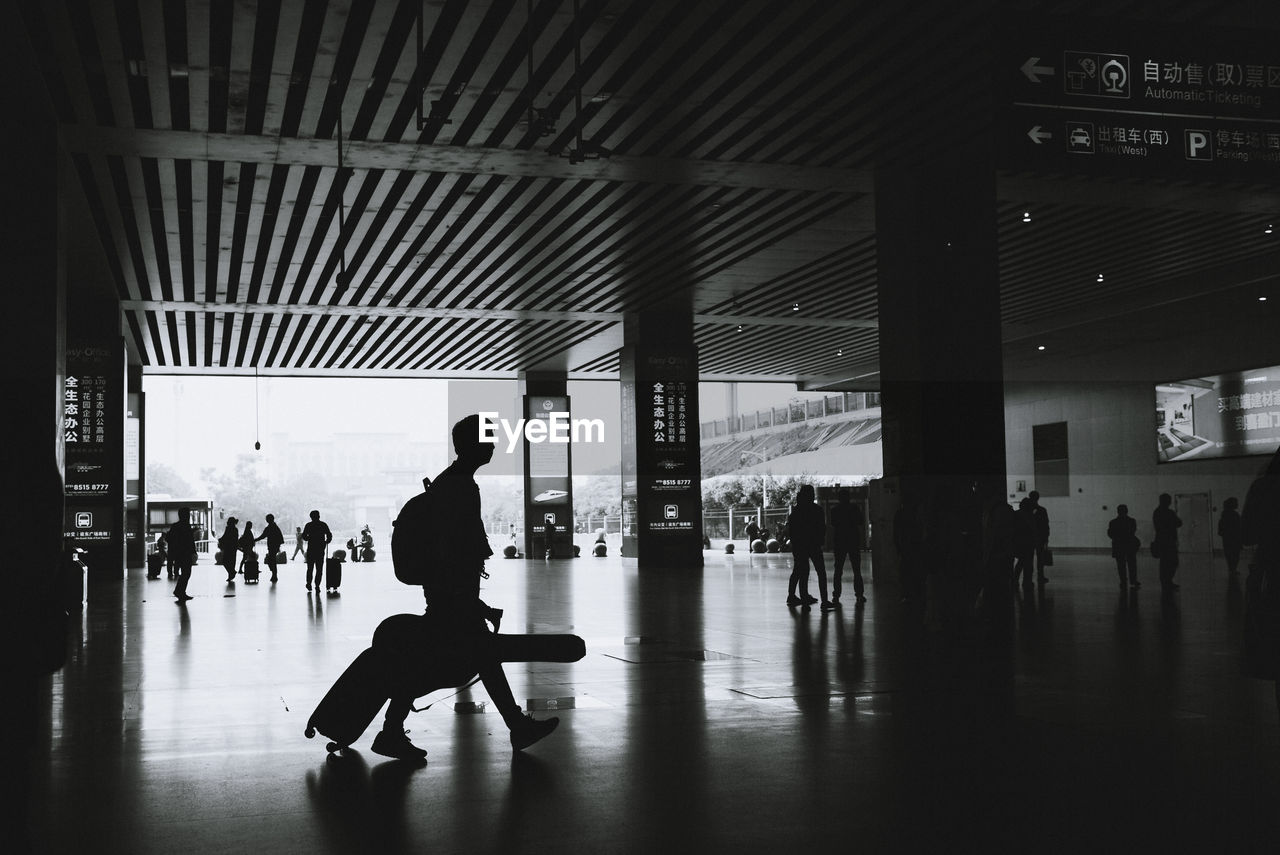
x,y
820,568
184,576
525,729
841,552
392,741
1040,550
271,564
855,563
792,599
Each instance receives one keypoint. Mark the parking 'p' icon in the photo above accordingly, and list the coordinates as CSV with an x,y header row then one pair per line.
x,y
1197,145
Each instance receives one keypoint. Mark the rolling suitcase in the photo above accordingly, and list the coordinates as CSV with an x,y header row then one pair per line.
x,y
347,709
252,572
333,573
155,563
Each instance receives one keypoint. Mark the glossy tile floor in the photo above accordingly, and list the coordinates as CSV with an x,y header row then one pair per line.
x,y
706,717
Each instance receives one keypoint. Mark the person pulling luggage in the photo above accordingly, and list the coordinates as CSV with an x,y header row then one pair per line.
x,y
457,546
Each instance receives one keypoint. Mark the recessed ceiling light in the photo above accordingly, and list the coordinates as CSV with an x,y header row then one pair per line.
x,y
840,352
1026,216
1262,299
795,307
1099,277
739,327
1041,347
1267,230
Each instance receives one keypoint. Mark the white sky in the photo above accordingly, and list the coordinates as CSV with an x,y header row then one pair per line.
x,y
198,422
194,423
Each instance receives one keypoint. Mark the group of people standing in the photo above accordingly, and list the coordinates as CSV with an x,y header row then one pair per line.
x,y
1123,533
232,540
808,532
178,544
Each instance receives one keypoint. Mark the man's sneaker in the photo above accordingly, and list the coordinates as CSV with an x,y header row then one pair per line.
x,y
394,743
828,606
794,601
808,600
529,730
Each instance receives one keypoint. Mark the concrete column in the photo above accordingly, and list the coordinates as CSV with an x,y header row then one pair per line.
x,y
548,469
661,467
135,469
942,381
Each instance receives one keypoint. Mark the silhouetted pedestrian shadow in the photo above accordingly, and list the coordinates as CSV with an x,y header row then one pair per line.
x,y
362,809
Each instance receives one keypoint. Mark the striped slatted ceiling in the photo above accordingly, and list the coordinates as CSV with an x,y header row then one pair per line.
x,y
532,173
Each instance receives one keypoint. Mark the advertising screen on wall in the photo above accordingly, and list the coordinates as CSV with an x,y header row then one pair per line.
x,y
1223,415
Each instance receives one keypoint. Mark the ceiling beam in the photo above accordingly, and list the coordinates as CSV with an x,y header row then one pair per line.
x,y
476,314
464,160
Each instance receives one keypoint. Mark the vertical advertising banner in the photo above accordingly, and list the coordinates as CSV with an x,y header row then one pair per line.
x,y
671,484
662,512
548,434
92,421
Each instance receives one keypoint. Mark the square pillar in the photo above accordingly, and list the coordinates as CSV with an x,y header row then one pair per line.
x,y
661,464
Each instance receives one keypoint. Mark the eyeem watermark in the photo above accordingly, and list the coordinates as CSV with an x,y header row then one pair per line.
x,y
556,427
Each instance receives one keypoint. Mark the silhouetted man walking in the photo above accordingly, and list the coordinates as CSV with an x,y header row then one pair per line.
x,y
275,540
459,546
1166,523
182,551
808,530
318,537
1123,531
846,529
1040,518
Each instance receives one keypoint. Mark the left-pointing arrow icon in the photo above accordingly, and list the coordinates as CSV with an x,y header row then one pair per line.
x,y
1039,135
1035,72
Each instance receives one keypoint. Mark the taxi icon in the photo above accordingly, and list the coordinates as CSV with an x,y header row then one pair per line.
x,y
1079,138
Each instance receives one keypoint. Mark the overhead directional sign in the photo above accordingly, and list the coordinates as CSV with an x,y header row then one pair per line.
x,y
1139,100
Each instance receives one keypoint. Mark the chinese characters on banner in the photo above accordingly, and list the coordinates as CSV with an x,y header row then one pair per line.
x,y
92,434
1252,411
672,494
84,409
670,412
1224,415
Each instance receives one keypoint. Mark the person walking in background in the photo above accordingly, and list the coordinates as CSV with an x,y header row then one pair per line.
x,y
245,544
162,549
807,531
1041,519
318,537
1260,528
297,543
846,529
182,552
275,540
1229,529
227,546
1024,542
1165,545
1123,531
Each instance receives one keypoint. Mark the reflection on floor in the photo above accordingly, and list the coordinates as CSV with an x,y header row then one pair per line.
x,y
706,717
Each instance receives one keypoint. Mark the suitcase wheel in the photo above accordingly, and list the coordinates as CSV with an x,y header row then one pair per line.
x,y
333,747
310,732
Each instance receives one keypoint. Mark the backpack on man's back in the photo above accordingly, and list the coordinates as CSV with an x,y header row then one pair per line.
x,y
411,538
